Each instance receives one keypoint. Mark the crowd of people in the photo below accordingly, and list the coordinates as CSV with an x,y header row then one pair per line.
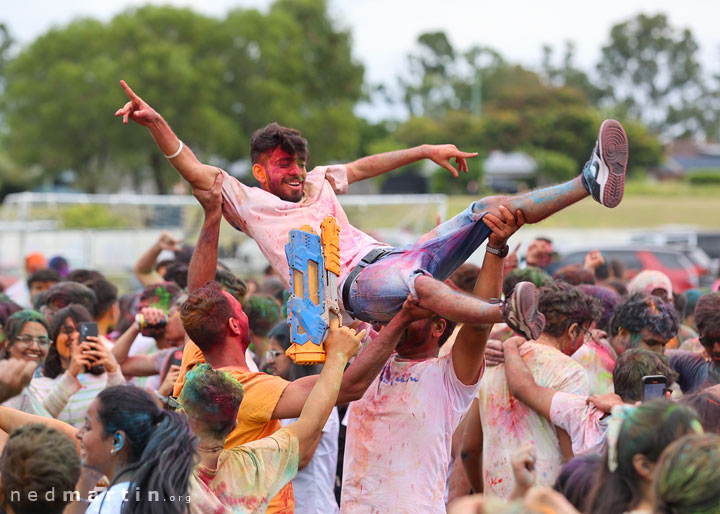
x,y
510,387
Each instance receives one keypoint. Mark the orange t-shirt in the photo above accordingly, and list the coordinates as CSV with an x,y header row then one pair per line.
x,y
254,420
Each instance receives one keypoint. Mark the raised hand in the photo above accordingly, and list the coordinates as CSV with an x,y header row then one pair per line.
x,y
441,155
79,361
593,260
210,199
167,241
99,354
152,316
494,353
604,402
523,466
136,109
15,375
503,228
169,382
412,311
343,341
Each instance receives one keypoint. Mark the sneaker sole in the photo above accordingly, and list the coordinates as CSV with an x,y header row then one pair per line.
x,y
614,151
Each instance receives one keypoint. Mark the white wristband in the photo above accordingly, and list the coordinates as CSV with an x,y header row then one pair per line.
x,y
177,152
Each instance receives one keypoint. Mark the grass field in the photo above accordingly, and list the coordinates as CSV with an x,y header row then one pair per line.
x,y
646,204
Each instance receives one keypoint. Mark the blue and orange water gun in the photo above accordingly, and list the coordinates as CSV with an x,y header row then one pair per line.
x,y
314,262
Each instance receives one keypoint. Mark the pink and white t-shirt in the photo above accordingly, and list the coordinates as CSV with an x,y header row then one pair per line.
x,y
508,424
585,424
268,219
397,448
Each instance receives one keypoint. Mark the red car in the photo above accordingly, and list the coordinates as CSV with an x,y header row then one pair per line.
x,y
679,269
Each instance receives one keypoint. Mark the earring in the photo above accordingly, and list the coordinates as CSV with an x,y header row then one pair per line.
x,y
113,451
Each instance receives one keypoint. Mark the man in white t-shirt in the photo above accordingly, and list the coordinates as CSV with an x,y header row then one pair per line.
x,y
314,485
399,435
505,424
578,415
375,279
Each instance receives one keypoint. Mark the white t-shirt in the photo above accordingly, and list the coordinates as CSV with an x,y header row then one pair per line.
x,y
508,424
314,485
268,219
398,443
143,345
111,500
585,424
20,293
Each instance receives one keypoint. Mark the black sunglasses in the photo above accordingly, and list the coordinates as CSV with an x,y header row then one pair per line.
x,y
709,341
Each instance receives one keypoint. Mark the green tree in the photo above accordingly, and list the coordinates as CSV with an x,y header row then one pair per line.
x,y
428,90
651,70
566,73
294,66
6,43
64,88
553,167
550,115
214,80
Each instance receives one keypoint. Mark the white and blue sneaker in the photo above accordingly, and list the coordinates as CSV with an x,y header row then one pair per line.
x,y
604,174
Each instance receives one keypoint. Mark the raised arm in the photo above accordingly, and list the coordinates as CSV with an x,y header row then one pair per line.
x,y
342,343
10,419
361,372
374,165
199,175
144,268
469,348
203,263
371,360
521,382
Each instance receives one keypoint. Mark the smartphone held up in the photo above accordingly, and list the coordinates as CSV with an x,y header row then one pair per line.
x,y
90,329
654,386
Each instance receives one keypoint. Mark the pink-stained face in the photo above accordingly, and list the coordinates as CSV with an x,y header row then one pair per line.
x,y
416,339
285,175
575,344
239,314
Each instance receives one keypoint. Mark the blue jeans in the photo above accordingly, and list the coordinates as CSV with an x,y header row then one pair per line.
x,y
383,286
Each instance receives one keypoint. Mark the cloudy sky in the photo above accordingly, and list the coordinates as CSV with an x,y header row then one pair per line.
x,y
384,31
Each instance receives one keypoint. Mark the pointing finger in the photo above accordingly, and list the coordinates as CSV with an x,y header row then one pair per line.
x,y
131,94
